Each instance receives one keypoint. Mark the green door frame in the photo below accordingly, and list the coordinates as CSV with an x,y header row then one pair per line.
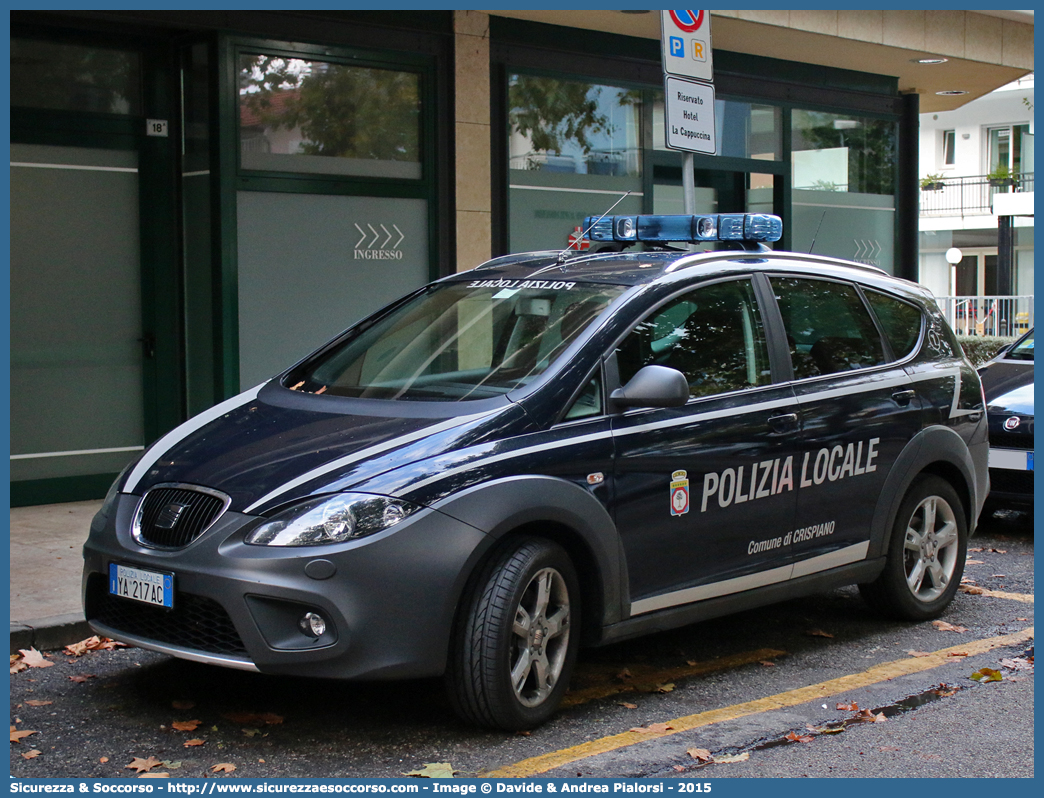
x,y
162,389
231,179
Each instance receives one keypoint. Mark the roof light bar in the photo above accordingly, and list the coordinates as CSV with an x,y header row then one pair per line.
x,y
753,227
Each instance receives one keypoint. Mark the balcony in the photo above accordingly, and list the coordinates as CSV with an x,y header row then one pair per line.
x,y
969,196
1004,316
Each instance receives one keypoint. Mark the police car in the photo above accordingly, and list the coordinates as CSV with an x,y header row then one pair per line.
x,y
558,449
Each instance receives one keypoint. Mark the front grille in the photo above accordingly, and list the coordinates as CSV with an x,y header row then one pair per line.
x,y
196,622
1003,480
172,516
1000,439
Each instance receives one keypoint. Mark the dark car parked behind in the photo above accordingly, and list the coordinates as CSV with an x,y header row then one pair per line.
x,y
1007,382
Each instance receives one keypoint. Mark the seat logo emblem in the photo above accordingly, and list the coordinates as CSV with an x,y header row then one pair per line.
x,y
1011,423
170,514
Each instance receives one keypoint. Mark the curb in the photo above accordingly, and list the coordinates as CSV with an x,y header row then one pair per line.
x,y
45,634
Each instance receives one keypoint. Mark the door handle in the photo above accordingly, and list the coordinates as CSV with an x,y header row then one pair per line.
x,y
148,345
903,398
788,422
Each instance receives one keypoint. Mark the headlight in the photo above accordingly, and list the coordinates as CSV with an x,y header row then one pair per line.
x,y
331,519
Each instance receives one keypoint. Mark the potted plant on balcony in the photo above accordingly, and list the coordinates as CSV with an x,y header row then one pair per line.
x,y
932,183
1001,177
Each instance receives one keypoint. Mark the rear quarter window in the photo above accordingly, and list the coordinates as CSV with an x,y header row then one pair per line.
x,y
900,321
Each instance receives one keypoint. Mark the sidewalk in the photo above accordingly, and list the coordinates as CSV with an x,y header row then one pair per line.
x,y
46,562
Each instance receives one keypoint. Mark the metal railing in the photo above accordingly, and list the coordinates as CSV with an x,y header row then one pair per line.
x,y
1005,316
968,196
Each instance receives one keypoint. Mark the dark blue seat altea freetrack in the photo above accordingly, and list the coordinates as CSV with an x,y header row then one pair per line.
x,y
556,449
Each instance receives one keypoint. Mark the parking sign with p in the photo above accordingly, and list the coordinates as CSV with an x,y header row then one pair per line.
x,y
686,41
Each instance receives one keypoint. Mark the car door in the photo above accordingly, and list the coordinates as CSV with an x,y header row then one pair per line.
x,y
705,493
859,408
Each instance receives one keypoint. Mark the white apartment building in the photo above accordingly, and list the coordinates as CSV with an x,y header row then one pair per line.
x,y
976,168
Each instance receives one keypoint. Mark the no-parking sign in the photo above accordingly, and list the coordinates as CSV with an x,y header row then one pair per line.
x,y
685,37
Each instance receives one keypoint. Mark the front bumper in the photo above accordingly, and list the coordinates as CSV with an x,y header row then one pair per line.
x,y
388,599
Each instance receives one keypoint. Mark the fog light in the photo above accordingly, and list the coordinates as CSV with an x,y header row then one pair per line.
x,y
312,624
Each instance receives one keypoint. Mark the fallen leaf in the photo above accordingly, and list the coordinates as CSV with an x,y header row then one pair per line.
x,y
654,728
727,760
700,754
942,626
104,759
848,707
974,562
624,675
193,743
957,654
142,765
521,733
433,770
251,732
222,767
767,664
629,706
183,705
31,754
977,548
1011,663
664,688
18,664
36,703
816,633
81,679
679,768
832,729
798,738
974,591
691,663
154,776
172,765
34,659
18,734
246,718
868,716
185,725
945,690
986,675
999,551
919,653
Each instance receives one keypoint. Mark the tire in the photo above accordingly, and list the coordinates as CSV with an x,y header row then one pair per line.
x,y
516,638
925,554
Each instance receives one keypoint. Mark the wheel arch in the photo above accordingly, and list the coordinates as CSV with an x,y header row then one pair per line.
x,y
556,510
935,450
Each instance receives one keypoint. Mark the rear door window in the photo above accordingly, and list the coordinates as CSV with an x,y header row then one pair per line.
x,y
900,320
829,329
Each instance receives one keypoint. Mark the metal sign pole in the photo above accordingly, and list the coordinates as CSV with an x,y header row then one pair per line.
x,y
689,183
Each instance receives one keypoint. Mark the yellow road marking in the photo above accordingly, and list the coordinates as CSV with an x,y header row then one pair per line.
x,y
874,675
647,680
1025,598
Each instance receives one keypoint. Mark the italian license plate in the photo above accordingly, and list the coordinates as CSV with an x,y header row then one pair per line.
x,y
139,584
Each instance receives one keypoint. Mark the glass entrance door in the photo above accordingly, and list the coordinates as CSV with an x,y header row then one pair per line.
x,y
76,319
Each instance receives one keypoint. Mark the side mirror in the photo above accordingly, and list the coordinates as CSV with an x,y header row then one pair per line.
x,y
653,386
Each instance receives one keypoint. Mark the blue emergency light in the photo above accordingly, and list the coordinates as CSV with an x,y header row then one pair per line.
x,y
754,227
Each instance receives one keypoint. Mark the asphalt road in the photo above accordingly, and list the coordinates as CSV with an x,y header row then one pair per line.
x,y
735,688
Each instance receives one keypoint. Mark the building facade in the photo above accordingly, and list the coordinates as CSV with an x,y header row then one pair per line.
x,y
201,198
977,182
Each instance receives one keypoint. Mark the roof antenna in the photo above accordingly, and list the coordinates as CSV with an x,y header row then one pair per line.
x,y
816,235
579,238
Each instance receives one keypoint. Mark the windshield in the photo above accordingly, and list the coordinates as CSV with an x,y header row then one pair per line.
x,y
1023,351
458,342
